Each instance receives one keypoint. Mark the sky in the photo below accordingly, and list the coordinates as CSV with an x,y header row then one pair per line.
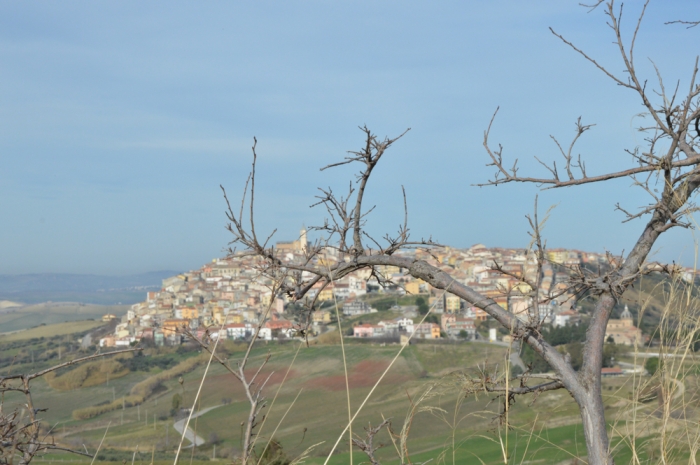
x,y
119,120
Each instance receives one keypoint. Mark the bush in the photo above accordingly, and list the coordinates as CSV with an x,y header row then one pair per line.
x,y
274,455
422,306
652,365
565,334
140,362
114,455
142,390
610,351
87,374
176,403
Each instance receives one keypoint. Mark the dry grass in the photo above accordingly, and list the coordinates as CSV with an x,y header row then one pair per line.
x,y
142,390
14,319
328,338
58,329
659,421
87,374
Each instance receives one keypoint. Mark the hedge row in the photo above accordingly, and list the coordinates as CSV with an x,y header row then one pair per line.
x,y
140,392
86,375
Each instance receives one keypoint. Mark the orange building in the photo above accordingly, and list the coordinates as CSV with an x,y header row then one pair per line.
x,y
173,325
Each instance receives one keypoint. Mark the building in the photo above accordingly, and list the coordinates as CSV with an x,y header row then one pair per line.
x,y
294,246
437,304
622,331
479,314
392,328
321,317
611,372
427,331
565,318
356,307
415,286
453,325
172,326
281,327
453,304
108,341
238,331
189,313
364,330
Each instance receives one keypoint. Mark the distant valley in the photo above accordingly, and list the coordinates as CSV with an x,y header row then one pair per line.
x,y
84,288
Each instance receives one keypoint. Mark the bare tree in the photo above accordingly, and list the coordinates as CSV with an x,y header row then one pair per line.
x,y
669,164
367,445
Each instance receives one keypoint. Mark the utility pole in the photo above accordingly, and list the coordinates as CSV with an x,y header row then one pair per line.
x,y
138,412
113,395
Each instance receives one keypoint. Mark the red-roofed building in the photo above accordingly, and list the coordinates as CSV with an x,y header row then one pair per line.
x,y
364,330
610,372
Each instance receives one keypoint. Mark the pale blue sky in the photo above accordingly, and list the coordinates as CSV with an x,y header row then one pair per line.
x,y
119,120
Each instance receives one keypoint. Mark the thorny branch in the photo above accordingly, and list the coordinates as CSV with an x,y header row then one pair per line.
x,y
20,437
367,445
687,23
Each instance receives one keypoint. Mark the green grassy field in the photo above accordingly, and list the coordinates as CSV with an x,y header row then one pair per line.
x,y
319,412
15,319
307,404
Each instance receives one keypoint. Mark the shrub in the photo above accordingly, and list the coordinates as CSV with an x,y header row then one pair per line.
x,y
86,375
652,365
140,392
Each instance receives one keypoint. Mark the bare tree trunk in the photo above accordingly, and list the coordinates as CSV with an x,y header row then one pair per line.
x,y
250,424
590,398
594,428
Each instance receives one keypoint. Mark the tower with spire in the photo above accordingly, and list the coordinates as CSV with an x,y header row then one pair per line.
x,y
626,314
302,239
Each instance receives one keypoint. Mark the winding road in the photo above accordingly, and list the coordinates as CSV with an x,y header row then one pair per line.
x,y
190,435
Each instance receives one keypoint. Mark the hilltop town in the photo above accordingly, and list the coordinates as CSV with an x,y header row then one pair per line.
x,y
230,298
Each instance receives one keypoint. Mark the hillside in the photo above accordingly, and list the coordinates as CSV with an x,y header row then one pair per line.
x,y
28,316
307,403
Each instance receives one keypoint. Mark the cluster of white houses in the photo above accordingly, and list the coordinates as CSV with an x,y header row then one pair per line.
x,y
229,297
396,328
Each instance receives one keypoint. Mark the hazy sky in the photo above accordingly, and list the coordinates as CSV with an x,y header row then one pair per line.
x,y
119,120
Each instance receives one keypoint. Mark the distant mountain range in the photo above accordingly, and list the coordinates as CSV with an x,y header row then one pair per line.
x,y
59,287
